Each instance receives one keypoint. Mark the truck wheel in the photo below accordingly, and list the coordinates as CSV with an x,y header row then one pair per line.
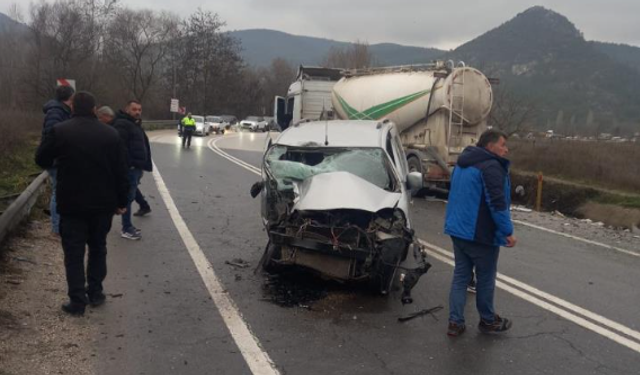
x,y
415,165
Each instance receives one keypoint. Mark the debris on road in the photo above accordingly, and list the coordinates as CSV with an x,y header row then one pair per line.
x,y
294,289
423,312
520,209
238,263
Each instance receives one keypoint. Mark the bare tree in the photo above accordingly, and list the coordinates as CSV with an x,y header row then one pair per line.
x,y
137,43
65,43
511,112
208,65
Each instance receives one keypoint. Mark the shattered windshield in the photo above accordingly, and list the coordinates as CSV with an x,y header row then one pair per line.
x,y
297,164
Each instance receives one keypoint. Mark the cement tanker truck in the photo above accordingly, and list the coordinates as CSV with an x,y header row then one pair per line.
x,y
438,108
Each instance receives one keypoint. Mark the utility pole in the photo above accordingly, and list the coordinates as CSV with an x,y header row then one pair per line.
x,y
174,89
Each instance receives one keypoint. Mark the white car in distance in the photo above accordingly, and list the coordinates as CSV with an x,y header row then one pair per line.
x,y
250,123
215,124
201,128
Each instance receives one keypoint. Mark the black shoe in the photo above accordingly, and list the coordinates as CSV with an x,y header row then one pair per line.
x,y
142,211
455,329
97,299
74,308
499,325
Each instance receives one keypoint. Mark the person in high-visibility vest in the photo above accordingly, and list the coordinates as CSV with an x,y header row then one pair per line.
x,y
188,127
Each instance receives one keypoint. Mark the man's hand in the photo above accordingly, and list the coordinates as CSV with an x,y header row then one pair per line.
x,y
120,211
511,241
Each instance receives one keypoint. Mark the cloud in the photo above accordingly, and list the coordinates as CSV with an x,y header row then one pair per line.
x,y
409,22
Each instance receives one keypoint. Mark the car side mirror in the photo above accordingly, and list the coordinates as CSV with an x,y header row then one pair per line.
x,y
256,189
415,181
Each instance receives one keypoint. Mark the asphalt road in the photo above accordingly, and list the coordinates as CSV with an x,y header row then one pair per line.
x,y
575,307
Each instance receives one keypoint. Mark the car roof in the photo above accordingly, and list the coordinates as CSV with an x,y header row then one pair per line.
x,y
339,133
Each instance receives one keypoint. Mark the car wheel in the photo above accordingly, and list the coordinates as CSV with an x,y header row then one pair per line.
x,y
272,253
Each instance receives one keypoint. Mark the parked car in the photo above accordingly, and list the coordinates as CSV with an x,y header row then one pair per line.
x,y
362,234
229,121
267,124
201,128
250,123
215,124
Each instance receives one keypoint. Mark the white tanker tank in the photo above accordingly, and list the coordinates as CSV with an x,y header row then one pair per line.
x,y
438,110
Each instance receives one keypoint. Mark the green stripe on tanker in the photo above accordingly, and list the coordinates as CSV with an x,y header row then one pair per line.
x,y
378,111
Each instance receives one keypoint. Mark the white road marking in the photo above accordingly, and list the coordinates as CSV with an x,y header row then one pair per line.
x,y
531,294
214,147
629,252
528,293
257,359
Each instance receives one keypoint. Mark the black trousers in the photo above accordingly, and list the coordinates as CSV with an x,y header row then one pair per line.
x,y
78,232
187,132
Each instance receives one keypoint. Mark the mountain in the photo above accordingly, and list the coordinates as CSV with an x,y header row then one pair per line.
x,y
542,55
623,53
7,23
260,47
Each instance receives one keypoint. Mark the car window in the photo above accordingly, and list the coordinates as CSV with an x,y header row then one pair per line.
x,y
198,118
297,164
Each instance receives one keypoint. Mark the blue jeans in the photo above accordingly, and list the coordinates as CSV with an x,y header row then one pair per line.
x,y
134,180
485,259
55,217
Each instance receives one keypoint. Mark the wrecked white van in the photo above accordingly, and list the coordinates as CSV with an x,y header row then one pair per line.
x,y
335,199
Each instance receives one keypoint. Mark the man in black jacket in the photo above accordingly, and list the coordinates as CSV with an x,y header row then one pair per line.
x,y
144,207
56,111
92,185
133,138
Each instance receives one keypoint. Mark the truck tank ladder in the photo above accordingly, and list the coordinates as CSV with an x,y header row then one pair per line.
x,y
456,114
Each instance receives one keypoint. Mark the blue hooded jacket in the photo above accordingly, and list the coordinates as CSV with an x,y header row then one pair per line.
x,y
479,199
54,112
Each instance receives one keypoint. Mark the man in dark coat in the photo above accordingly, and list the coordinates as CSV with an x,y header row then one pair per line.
x,y
56,111
144,207
133,138
92,185
479,222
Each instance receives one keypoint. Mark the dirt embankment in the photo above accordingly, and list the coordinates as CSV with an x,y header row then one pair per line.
x,y
618,210
36,337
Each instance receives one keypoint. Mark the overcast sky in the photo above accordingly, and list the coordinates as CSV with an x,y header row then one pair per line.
x,y
440,24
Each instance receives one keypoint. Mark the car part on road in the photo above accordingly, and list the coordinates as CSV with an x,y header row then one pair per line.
x,y
423,312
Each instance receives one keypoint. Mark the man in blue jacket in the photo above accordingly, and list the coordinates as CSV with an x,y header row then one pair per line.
x,y
55,111
479,222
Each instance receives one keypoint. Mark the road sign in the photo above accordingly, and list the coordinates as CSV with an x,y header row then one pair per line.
x,y
66,82
175,105
183,110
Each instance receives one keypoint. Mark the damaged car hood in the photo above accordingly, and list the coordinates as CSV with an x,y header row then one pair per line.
x,y
342,190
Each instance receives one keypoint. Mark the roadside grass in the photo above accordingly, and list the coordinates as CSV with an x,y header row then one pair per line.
x,y
20,137
604,165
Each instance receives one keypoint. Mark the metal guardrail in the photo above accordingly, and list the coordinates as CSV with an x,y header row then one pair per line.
x,y
159,124
21,207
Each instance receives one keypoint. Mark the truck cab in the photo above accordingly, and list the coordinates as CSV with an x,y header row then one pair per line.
x,y
308,97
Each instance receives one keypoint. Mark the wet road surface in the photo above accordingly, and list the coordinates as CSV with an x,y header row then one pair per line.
x,y
575,306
